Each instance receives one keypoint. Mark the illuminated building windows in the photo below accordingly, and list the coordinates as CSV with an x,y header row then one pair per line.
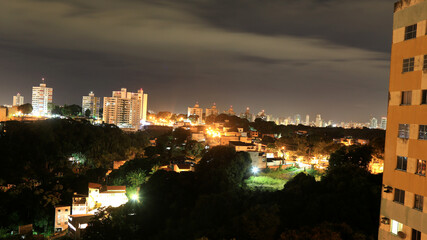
x,y
399,196
406,98
411,32
395,227
423,132
416,235
403,131
408,65
421,167
401,163
418,202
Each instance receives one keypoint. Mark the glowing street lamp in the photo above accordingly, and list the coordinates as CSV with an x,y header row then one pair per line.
x,y
134,197
255,170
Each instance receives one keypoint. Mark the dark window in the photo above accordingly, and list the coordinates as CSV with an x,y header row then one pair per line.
x,y
424,97
425,62
404,131
421,167
406,98
416,235
408,65
399,196
411,32
423,132
402,163
418,202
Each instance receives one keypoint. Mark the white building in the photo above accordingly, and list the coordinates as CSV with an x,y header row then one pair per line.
x,y
319,122
92,104
196,111
126,109
384,123
41,98
18,100
373,123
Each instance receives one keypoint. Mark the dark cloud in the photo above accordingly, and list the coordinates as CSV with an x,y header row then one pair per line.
x,y
286,57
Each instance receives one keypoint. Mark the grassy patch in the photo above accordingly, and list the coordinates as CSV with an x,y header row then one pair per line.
x,y
265,183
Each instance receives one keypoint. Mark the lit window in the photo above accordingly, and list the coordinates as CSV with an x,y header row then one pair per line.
x,y
406,98
416,235
423,132
418,202
408,65
396,226
403,131
421,167
411,32
424,97
399,196
401,163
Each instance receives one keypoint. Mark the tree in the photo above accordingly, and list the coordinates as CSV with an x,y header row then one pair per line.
x,y
359,156
87,113
26,108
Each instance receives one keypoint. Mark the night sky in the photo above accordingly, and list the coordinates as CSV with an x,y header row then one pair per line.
x,y
287,57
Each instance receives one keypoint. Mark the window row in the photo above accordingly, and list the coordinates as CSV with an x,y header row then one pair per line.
x,y
403,131
408,64
402,165
396,227
406,97
399,197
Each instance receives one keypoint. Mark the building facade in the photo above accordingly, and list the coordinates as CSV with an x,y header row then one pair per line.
x,y
18,100
196,111
212,111
403,209
42,96
373,123
126,109
92,104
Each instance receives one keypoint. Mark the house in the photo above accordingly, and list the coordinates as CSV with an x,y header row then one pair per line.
x,y
61,218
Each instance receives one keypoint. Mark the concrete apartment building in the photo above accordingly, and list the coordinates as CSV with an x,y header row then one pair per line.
x,y
403,208
41,98
18,100
125,109
196,111
92,104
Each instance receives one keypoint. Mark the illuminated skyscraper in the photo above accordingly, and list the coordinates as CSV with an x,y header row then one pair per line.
x,y
196,111
125,109
41,98
18,100
319,122
384,123
212,111
373,123
307,120
403,209
92,104
297,119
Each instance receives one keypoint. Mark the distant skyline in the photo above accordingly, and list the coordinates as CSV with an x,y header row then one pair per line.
x,y
328,57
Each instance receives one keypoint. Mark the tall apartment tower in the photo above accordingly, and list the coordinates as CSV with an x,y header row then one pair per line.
x,y
92,104
18,100
319,121
197,111
403,208
307,120
384,123
41,98
212,111
373,123
125,109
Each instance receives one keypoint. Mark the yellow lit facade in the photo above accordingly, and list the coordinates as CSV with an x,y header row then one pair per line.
x,y
403,208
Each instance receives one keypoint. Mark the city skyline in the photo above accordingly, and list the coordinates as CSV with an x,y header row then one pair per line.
x,y
283,68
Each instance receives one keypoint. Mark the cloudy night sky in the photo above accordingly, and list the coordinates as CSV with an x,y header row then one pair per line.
x,y
287,57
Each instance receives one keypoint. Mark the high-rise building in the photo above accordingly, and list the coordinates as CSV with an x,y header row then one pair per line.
x,y
126,109
297,119
403,209
246,115
212,111
373,123
196,111
92,104
18,100
383,123
230,111
319,122
307,120
41,98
